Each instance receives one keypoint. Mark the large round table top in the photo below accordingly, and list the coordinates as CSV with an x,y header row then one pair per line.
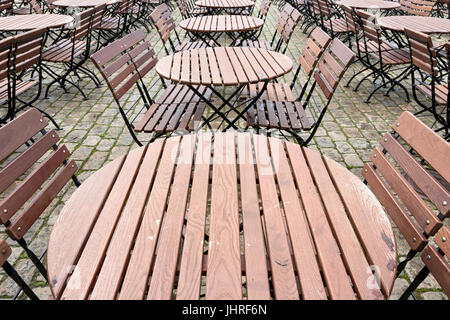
x,y
225,205
34,21
82,3
221,23
369,4
225,4
223,66
421,24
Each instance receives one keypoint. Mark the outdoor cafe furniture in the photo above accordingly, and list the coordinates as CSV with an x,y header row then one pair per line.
x,y
210,28
408,173
286,24
123,65
418,23
370,4
226,6
165,217
233,67
164,22
35,168
82,3
34,21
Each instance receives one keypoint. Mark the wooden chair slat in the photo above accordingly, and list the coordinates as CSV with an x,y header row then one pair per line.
x,y
17,198
426,219
25,219
24,161
438,267
13,135
5,252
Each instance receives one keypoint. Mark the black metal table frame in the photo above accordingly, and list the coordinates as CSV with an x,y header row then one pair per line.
x,y
235,36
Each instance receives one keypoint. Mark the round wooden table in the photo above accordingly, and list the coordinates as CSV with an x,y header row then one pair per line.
x,y
224,66
160,217
370,4
238,27
229,6
33,21
422,24
83,3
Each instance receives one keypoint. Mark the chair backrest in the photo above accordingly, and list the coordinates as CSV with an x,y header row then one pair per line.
x,y
183,7
313,50
6,46
41,182
332,66
398,172
35,6
124,62
83,26
287,22
264,7
404,5
28,48
98,16
436,258
352,23
421,7
163,20
325,8
423,56
6,5
371,29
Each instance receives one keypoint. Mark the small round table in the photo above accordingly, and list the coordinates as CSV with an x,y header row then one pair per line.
x,y
237,27
370,4
295,224
228,6
421,24
227,67
82,3
33,21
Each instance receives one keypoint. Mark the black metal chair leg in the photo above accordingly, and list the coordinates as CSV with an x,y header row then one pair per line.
x,y
11,272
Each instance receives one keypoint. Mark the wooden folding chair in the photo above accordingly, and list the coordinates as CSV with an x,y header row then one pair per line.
x,y
285,27
165,24
435,259
290,116
70,54
429,77
410,174
6,7
386,62
32,6
329,20
421,7
5,252
30,176
189,10
123,64
6,103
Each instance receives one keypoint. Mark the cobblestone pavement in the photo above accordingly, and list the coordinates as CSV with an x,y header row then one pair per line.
x,y
94,131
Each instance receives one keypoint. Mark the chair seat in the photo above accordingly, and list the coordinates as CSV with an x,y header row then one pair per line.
x,y
193,45
62,51
285,115
22,10
177,108
110,23
390,55
257,44
441,92
337,25
21,86
275,91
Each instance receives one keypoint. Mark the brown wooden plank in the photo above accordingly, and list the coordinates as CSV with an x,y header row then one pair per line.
x,y
70,232
438,267
5,252
426,218
189,279
333,268
254,245
283,277
434,149
369,220
165,265
225,66
144,237
303,248
442,240
95,249
352,253
224,280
